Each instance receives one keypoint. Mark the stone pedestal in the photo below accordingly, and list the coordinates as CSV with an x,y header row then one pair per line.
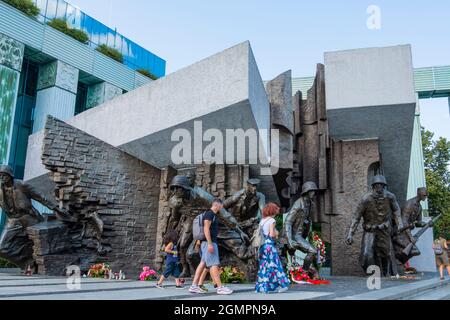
x,y
100,93
57,93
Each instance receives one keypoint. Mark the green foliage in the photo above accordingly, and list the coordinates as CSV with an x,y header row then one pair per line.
x,y
6,264
26,6
437,161
231,275
147,73
61,25
110,52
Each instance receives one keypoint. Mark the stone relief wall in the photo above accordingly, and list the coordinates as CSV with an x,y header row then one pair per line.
x,y
100,93
59,74
312,149
113,196
351,162
11,52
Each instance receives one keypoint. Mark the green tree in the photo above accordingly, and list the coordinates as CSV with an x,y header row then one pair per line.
x,y
437,173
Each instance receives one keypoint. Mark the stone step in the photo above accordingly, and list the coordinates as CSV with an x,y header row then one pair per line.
x,y
404,292
435,294
119,293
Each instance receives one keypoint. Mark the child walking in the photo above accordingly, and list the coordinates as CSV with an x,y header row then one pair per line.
x,y
172,262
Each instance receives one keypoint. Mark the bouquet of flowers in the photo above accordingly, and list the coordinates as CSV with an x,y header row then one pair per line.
x,y
99,270
231,275
298,275
147,274
317,243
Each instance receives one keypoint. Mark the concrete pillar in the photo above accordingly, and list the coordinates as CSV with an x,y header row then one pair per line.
x,y
57,93
100,93
11,59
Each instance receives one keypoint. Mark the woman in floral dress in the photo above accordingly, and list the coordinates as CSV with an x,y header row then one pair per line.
x,y
271,275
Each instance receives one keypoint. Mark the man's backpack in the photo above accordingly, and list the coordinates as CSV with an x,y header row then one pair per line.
x,y
198,231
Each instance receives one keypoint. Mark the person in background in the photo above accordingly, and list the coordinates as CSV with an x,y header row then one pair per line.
x,y
210,251
440,250
271,275
172,261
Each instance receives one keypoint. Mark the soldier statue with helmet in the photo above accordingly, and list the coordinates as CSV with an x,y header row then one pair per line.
x,y
377,208
297,227
184,193
15,201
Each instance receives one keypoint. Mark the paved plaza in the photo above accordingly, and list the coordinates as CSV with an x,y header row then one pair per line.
x,y
14,286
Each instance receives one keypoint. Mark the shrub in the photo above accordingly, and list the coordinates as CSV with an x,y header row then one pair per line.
x,y
26,6
61,25
110,52
147,73
6,264
231,274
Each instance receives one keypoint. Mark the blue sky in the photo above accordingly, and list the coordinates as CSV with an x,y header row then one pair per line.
x,y
283,34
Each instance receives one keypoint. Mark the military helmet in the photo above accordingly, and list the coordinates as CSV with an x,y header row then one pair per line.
x,y
379,179
253,182
6,169
309,186
181,181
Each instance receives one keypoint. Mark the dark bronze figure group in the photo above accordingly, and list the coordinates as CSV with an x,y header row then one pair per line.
x,y
387,240
15,201
387,228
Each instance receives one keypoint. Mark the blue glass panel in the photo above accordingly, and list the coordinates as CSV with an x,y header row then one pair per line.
x,y
51,9
95,29
119,42
111,41
42,5
71,15
61,9
102,33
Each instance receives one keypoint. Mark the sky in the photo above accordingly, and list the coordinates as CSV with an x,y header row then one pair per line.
x,y
284,34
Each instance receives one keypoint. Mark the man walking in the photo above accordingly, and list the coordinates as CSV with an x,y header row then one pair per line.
x,y
210,251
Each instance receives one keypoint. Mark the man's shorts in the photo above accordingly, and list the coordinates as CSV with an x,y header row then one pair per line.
x,y
172,269
211,259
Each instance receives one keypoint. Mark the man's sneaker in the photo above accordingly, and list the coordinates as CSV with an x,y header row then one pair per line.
x,y
281,290
179,287
224,290
203,287
159,286
196,289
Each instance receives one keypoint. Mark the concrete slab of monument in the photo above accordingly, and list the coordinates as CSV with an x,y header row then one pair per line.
x,y
224,91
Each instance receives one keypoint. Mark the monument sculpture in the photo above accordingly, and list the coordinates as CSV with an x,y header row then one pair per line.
x,y
118,190
246,205
376,209
231,236
15,201
404,241
297,227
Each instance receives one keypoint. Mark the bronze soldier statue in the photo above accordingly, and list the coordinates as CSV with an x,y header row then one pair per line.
x,y
297,227
15,200
246,206
377,208
231,236
412,218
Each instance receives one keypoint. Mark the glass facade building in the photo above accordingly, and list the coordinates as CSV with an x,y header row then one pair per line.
x,y
45,72
134,55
